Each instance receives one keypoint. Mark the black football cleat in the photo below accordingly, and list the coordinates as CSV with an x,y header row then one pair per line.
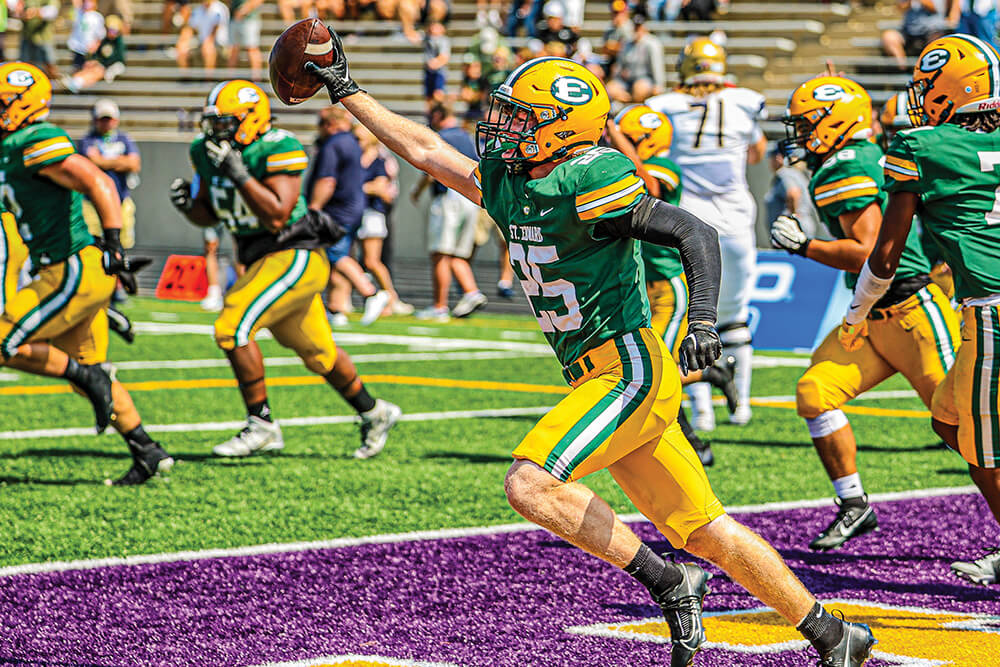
x,y
854,649
120,324
721,375
701,448
95,383
851,521
681,607
147,462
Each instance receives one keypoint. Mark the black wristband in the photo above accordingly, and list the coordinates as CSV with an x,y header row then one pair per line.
x,y
113,237
801,250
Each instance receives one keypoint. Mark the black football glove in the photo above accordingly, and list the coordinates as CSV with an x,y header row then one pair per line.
x,y
315,226
336,77
787,234
180,195
228,160
700,347
117,263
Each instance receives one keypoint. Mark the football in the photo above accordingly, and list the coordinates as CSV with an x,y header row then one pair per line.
x,y
301,42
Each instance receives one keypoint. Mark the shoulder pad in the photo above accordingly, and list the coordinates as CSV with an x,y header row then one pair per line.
x,y
669,103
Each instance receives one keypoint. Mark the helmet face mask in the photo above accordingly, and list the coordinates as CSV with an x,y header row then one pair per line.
x,y
824,114
955,74
546,110
219,128
236,111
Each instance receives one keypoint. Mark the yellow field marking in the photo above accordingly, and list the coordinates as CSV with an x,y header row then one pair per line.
x,y
448,383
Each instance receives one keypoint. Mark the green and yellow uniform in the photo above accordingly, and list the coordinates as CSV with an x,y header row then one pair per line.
x,y
280,289
586,289
913,330
13,253
956,174
66,301
666,287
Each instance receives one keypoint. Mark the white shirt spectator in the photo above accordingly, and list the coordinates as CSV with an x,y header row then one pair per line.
x,y
206,18
88,31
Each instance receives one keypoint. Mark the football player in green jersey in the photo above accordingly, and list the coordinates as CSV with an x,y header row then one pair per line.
x,y
648,134
947,170
571,212
250,178
57,325
912,329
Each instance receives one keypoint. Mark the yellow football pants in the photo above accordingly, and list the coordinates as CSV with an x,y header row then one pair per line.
x,y
622,415
917,337
128,221
64,305
668,301
968,397
281,291
13,254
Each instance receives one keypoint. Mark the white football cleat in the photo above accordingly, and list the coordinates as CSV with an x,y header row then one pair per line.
x,y
257,436
741,416
375,427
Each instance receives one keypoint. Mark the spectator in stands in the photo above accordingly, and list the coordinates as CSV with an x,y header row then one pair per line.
x,y
618,34
488,13
208,26
437,53
975,17
554,29
3,29
789,194
87,32
573,13
638,72
122,9
114,152
334,185
38,19
175,15
923,22
451,232
380,193
286,8
471,91
699,10
523,15
107,62
244,32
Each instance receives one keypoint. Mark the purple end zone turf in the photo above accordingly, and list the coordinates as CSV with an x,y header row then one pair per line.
x,y
505,599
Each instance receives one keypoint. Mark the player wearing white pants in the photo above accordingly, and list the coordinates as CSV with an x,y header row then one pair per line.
x,y
716,134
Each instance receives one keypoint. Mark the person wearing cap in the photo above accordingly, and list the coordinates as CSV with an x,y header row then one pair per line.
x,y
114,153
638,71
554,29
107,62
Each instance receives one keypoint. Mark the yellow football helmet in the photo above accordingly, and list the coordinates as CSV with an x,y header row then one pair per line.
x,y
702,61
547,109
25,95
894,113
650,131
236,111
956,74
825,113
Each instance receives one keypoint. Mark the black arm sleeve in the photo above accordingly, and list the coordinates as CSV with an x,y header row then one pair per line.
x,y
661,223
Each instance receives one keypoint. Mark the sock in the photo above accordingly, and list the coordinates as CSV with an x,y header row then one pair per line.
x,y
742,374
701,400
260,410
138,436
361,401
849,487
73,371
821,629
656,574
214,291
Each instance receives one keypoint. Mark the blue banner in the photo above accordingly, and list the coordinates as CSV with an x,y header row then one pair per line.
x,y
794,302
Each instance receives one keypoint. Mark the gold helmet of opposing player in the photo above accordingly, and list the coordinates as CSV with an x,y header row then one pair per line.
x,y
547,109
894,114
702,61
956,74
825,113
25,95
650,131
236,111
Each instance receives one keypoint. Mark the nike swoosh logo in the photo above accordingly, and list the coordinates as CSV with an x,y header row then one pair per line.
x,y
855,306
545,211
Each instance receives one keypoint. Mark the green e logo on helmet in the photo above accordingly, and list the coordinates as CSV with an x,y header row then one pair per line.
x,y
572,90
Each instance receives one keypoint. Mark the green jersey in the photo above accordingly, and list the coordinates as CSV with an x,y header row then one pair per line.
x,y
49,216
584,286
850,180
662,262
275,152
956,174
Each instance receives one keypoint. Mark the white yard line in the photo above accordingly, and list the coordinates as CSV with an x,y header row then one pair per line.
x,y
415,536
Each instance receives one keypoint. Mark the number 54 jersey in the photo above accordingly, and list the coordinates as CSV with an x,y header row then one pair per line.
x,y
584,286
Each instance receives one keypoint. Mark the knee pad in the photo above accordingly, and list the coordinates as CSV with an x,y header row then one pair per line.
x,y
734,334
826,423
318,361
809,400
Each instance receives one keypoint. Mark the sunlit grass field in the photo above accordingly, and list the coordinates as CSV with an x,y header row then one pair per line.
x,y
443,467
